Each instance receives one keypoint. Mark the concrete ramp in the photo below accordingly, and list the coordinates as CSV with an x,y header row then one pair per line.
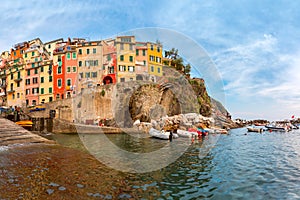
x,y
13,134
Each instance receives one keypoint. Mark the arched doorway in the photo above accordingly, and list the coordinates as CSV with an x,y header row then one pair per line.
x,y
139,77
107,80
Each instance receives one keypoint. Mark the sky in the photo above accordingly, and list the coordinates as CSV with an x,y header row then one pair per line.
x,y
253,44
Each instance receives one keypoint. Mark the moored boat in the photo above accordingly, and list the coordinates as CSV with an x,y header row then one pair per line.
x,y
252,129
278,127
161,134
27,124
186,134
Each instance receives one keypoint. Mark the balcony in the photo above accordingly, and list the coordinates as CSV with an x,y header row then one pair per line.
x,y
10,91
18,79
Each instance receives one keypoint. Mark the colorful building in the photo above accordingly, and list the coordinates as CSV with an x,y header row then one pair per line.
x,y
155,67
90,69
15,85
141,61
109,62
125,46
51,45
59,71
46,82
71,70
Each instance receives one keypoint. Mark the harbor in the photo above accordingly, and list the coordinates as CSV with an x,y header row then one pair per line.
x,y
257,165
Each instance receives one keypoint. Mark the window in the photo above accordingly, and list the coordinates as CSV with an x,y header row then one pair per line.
x,y
131,79
80,75
27,91
50,68
94,50
74,55
50,78
36,71
36,59
15,53
42,68
11,76
131,58
144,52
49,46
80,63
87,51
152,69
50,99
137,52
13,96
11,87
25,55
158,69
28,73
59,82
35,90
94,74
18,84
27,82
32,54
42,79
59,70
68,56
144,62
80,51
68,69
32,65
121,57
151,47
87,75
122,46
125,39
122,79
50,90
95,62
35,80
131,68
158,49
59,59
74,69
122,68
69,82
42,90
57,96
130,47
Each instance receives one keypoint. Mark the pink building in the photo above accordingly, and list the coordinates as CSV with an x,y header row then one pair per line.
x,y
141,65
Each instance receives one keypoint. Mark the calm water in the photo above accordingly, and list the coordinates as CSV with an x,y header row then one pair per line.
x,y
240,165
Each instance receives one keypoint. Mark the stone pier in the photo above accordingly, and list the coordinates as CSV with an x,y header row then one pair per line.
x,y
13,134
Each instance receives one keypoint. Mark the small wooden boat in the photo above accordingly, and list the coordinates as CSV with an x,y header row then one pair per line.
x,y
186,134
27,124
161,134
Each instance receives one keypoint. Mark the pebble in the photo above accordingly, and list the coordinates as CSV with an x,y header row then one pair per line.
x,y
80,186
50,191
61,188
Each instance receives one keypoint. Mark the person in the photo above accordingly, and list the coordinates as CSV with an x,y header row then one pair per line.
x,y
171,136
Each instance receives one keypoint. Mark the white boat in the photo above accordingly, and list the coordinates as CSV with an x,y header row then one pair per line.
x,y
161,134
253,129
186,134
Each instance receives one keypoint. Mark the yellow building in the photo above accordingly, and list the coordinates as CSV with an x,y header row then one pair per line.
x,y
15,88
125,46
46,82
155,56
